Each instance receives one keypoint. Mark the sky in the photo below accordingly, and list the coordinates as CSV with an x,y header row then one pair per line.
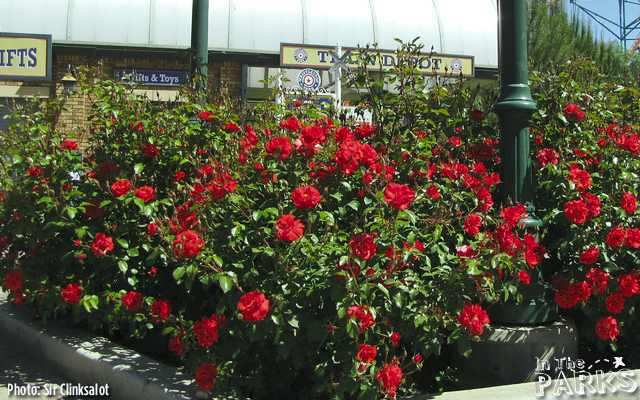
x,y
609,9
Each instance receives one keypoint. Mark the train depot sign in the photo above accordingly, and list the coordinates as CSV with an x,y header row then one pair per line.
x,y
321,57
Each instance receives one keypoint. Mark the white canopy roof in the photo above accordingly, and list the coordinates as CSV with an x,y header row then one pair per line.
x,y
464,27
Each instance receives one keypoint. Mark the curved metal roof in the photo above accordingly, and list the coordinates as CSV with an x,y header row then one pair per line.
x,y
466,27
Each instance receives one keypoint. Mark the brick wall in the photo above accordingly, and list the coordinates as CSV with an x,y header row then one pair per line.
x,y
224,78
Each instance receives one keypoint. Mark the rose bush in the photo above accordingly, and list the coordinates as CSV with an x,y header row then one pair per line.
x,y
294,255
585,145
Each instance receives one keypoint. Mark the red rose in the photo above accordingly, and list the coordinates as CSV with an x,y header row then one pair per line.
x,y
482,152
13,280
152,229
279,146
580,177
474,318
290,124
590,255
93,210
206,116
432,191
476,115
573,113
632,238
348,157
390,377
160,309
580,290
254,306
175,344
146,193
206,375
206,330
102,244
615,237
366,353
289,229
69,145
565,299
629,203
598,279
188,244
364,130
607,328
593,204
577,211
306,197
524,277
399,196
72,293
363,314
513,215
120,187
615,303
472,224
546,157
395,338
628,285
362,246
132,301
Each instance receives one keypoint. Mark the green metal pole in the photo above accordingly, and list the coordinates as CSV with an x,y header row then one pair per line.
x,y
514,108
200,46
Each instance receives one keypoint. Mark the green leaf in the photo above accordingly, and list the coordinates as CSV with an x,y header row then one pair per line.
x,y
71,211
226,283
123,266
138,168
178,273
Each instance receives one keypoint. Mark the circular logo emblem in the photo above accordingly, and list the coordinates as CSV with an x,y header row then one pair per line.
x,y
309,79
456,65
300,55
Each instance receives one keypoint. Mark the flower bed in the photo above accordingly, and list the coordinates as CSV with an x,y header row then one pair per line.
x,y
298,255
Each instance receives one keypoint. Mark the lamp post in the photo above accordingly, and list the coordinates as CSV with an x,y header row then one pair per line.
x,y
514,108
199,46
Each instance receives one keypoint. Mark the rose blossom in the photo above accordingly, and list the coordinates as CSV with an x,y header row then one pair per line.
x,y
615,303
629,203
289,229
306,197
188,244
146,193
132,301
580,177
598,279
102,245
398,196
628,285
390,376
474,318
362,246
160,309
254,306
472,224
72,293
366,353
590,255
576,211
607,328
13,280
206,375
120,187
615,237
206,330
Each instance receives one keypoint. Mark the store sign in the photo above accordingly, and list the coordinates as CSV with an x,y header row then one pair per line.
x,y
310,56
149,77
25,57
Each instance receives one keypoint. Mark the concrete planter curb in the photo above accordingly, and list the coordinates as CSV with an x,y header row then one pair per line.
x,y
86,359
